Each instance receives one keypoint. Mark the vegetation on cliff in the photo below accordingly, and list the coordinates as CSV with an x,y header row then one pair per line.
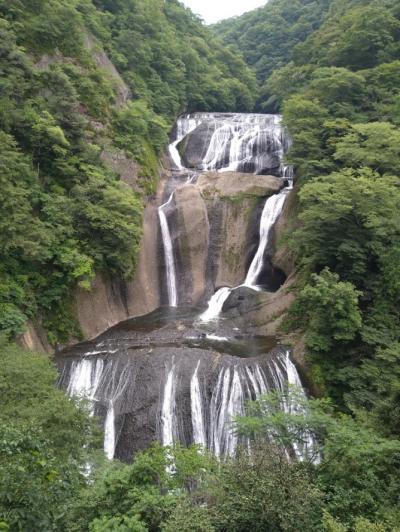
x,y
267,36
65,215
333,68
338,89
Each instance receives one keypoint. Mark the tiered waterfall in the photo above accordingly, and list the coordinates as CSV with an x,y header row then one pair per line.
x,y
163,376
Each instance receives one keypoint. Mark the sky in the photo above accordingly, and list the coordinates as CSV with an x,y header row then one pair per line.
x,y
215,10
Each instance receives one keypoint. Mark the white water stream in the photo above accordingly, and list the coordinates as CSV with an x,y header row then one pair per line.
x,y
198,425
236,383
168,253
168,411
272,209
270,214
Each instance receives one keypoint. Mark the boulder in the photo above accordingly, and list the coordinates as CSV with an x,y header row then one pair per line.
x,y
263,314
195,145
240,301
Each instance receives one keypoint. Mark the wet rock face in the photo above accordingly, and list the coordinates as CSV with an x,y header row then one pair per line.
x,y
192,242
111,301
214,230
236,185
180,374
170,378
240,301
252,144
194,147
167,377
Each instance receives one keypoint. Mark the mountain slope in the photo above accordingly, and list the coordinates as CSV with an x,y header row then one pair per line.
x,y
266,36
65,215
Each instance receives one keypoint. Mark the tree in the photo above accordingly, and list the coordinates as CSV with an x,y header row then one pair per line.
x,y
375,145
264,491
338,89
146,492
357,473
348,219
45,439
305,120
328,308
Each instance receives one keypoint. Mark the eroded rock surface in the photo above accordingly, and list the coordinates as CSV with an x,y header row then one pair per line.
x,y
214,228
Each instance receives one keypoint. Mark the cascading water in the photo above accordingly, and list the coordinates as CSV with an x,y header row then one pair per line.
x,y
85,379
103,384
199,431
109,432
168,418
272,209
199,399
168,253
249,143
215,304
243,143
252,143
175,383
184,126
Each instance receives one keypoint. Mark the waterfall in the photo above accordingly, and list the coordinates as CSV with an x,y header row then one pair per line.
x,y
184,126
168,417
272,209
85,379
285,376
215,304
104,384
201,396
168,253
270,214
236,142
109,432
308,447
204,387
253,143
218,419
234,387
218,147
199,432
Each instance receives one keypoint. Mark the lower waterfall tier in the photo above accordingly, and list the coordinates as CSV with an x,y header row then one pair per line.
x,y
165,377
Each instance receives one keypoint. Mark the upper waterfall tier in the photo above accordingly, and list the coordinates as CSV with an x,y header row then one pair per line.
x,y
250,143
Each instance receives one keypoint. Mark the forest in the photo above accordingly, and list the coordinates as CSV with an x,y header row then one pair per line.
x,y
332,68
60,109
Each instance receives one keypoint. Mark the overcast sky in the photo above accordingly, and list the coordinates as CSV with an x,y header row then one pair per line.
x,y
214,10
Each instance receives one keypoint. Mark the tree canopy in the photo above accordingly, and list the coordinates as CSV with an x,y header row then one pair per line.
x,y
80,78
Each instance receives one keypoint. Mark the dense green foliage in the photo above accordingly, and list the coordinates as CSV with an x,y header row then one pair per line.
x,y
343,118
333,68
44,442
65,215
338,88
267,36
358,476
47,442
